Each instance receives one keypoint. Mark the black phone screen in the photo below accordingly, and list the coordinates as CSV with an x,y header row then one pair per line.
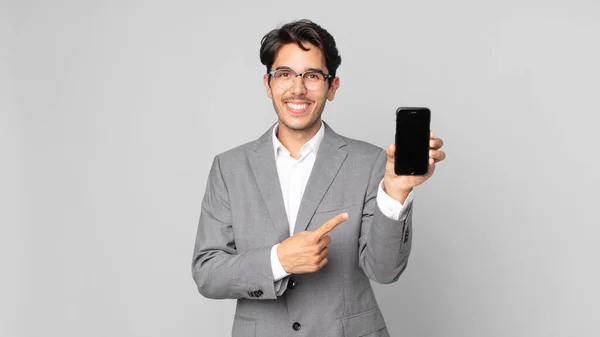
x,y
412,141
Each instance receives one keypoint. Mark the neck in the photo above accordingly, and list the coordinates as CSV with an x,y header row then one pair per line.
x,y
293,140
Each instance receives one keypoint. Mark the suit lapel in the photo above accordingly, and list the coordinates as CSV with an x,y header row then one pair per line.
x,y
327,164
262,162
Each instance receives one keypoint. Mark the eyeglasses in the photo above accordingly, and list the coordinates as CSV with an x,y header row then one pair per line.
x,y
285,78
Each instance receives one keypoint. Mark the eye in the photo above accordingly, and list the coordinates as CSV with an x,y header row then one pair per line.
x,y
283,74
314,76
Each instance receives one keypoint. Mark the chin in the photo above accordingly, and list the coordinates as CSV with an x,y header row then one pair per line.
x,y
301,125
293,125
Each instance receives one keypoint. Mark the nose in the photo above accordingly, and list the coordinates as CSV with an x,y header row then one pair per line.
x,y
298,87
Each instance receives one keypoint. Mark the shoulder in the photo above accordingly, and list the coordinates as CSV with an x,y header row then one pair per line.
x,y
358,149
361,147
364,154
237,157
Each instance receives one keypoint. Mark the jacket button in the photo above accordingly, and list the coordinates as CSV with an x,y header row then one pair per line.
x,y
296,326
292,284
256,293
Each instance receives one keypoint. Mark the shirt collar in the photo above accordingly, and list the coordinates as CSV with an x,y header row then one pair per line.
x,y
312,144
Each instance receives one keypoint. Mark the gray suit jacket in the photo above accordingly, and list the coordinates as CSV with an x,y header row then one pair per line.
x,y
243,216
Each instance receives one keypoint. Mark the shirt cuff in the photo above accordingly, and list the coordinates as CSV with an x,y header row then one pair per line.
x,y
278,271
391,207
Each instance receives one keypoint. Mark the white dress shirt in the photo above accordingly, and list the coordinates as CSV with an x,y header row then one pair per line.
x,y
293,177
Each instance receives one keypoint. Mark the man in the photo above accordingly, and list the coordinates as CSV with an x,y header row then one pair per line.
x,y
293,225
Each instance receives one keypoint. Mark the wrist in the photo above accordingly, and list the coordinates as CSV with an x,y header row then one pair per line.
x,y
279,257
398,193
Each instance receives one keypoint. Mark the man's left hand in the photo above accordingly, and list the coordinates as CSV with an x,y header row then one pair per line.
x,y
398,187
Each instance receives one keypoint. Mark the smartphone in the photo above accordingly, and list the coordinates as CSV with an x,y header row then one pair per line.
x,y
412,141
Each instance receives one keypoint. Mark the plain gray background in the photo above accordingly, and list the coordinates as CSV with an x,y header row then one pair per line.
x,y
112,112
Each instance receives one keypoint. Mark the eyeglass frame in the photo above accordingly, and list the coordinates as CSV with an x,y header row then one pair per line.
x,y
313,70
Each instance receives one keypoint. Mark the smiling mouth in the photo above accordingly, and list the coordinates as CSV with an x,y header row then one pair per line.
x,y
297,108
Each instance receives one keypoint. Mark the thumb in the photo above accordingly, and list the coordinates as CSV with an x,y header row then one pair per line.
x,y
391,151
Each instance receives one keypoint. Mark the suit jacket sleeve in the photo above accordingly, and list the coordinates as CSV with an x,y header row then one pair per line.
x,y
219,270
384,244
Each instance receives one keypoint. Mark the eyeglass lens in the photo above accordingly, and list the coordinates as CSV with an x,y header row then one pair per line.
x,y
285,79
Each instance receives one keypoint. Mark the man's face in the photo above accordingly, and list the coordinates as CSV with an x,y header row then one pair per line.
x,y
297,108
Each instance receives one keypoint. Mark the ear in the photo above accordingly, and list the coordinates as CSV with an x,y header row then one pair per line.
x,y
267,86
333,87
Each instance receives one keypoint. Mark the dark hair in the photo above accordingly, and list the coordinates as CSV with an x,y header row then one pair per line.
x,y
298,32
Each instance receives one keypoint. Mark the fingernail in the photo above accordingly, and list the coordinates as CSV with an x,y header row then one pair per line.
x,y
345,216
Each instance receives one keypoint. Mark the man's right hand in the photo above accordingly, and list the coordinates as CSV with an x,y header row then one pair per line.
x,y
306,251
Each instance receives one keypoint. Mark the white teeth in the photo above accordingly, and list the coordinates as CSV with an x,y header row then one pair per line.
x,y
297,106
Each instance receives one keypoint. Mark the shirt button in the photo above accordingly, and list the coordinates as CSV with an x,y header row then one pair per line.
x,y
296,326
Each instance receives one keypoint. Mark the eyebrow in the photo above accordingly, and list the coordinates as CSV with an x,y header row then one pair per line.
x,y
308,69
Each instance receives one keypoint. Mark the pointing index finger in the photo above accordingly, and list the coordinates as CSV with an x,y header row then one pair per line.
x,y
330,225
